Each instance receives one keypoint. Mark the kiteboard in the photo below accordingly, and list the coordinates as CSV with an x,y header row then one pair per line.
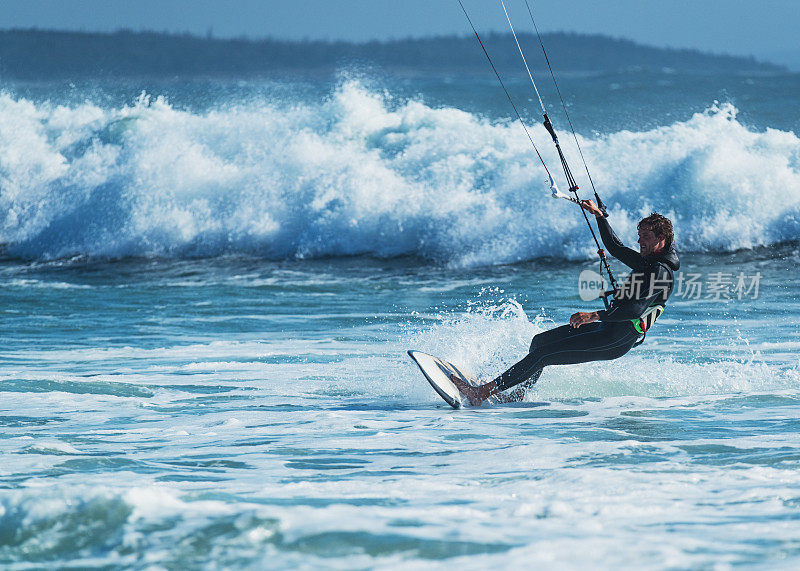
x,y
438,372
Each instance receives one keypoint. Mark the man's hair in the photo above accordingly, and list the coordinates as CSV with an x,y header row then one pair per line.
x,y
660,226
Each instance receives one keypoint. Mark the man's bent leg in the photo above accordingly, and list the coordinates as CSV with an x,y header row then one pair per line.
x,y
529,367
567,345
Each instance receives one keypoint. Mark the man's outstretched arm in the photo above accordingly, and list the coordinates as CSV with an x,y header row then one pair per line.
x,y
613,244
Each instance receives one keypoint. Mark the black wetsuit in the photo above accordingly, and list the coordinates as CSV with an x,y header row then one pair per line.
x,y
650,283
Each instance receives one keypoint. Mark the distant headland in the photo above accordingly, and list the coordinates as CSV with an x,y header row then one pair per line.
x,y
41,54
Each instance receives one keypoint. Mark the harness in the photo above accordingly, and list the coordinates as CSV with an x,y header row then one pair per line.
x,y
653,312
647,319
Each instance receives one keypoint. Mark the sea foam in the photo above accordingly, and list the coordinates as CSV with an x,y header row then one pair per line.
x,y
361,174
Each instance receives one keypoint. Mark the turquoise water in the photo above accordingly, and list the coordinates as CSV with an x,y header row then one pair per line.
x,y
207,300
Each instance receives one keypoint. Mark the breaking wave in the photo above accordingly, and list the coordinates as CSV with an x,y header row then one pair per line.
x,y
360,174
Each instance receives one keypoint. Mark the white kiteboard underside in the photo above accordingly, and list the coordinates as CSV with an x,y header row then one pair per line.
x,y
438,372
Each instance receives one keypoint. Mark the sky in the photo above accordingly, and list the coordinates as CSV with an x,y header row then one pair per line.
x,y
765,29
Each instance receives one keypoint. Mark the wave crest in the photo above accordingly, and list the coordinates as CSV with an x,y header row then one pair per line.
x,y
360,174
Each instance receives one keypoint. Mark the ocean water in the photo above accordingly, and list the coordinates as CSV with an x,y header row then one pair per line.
x,y
208,290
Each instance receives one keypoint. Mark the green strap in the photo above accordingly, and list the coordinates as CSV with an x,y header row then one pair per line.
x,y
643,323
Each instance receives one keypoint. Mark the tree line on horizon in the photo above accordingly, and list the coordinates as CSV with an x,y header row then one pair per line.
x,y
41,54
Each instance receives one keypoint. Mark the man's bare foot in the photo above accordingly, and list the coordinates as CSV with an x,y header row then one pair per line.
x,y
475,395
467,390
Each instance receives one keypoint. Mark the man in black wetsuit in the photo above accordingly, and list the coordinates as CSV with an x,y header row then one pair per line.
x,y
599,335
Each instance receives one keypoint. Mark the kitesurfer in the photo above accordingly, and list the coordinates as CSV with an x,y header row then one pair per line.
x,y
605,334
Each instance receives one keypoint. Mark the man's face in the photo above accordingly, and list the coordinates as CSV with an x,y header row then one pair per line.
x,y
649,243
